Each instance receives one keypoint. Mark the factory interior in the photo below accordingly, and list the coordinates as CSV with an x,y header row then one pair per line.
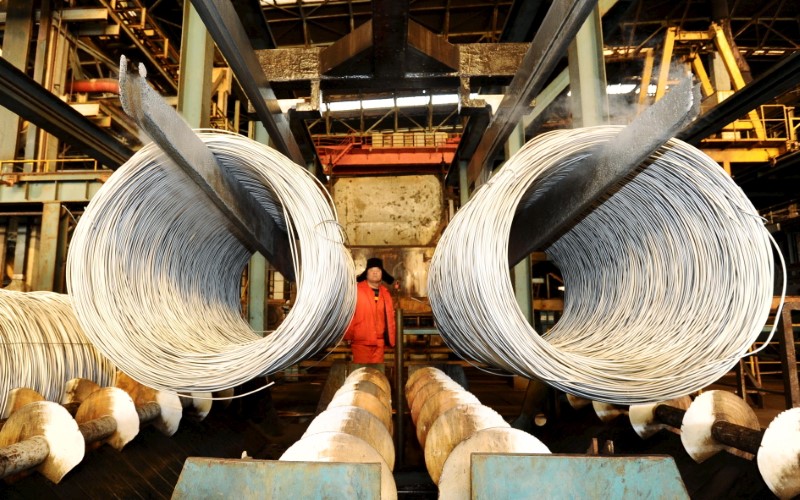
x,y
579,220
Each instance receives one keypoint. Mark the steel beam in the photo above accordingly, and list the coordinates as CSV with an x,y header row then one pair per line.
x,y
196,64
226,28
34,103
779,79
587,74
38,188
257,293
522,270
520,23
489,60
48,247
389,38
559,27
479,119
15,50
70,14
3,251
545,98
540,223
336,54
432,45
249,222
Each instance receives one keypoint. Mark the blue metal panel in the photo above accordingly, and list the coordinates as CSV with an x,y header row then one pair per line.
x,y
242,479
498,477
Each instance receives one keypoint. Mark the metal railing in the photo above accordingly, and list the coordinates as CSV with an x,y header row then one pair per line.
x,y
48,166
778,121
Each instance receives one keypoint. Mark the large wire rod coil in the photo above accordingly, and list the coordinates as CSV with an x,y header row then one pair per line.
x,y
42,346
155,272
667,283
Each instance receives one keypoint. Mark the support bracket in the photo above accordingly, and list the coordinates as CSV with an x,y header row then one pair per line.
x,y
248,220
538,224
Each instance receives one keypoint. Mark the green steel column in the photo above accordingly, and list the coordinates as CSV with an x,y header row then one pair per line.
x,y
16,47
44,277
260,133
258,264
194,86
3,249
463,182
522,271
39,67
587,74
20,252
257,292
60,281
59,55
32,257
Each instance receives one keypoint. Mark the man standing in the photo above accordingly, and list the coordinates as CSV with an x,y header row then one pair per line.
x,y
373,323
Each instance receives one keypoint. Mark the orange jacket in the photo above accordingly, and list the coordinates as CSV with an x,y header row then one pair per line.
x,y
362,328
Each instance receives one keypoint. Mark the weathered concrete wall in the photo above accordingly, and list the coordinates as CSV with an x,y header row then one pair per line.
x,y
390,211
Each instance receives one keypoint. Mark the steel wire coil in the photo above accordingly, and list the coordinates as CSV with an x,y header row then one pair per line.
x,y
155,272
668,282
42,346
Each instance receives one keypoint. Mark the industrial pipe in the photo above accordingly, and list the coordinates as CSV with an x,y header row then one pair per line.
x,y
107,85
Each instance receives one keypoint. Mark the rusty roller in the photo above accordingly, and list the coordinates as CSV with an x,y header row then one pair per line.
x,y
451,428
368,387
355,427
454,483
366,401
607,412
700,435
105,415
372,375
421,378
644,421
447,417
43,435
779,454
341,447
719,420
438,404
425,392
358,422
166,407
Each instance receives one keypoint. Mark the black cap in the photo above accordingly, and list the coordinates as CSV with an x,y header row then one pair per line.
x,y
376,262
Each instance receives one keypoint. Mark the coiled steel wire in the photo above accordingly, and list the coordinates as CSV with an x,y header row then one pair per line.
x,y
668,282
42,346
155,273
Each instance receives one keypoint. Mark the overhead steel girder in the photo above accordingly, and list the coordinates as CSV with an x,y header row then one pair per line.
x,y
447,61
539,223
71,14
389,38
247,219
779,79
229,34
560,25
31,101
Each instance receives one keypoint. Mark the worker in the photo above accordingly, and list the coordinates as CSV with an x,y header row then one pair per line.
x,y
373,324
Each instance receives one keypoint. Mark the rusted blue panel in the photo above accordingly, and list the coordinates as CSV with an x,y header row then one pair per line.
x,y
498,477
241,479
